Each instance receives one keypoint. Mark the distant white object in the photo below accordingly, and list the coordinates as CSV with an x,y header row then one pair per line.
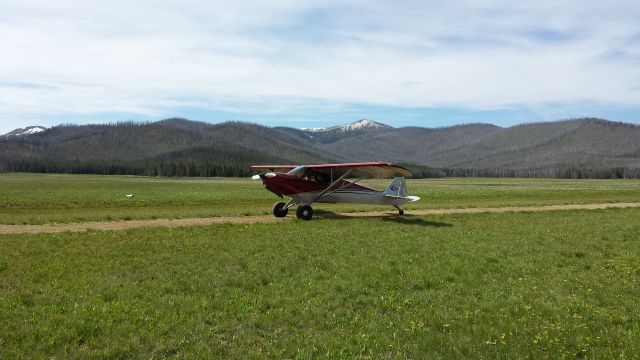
x,y
129,195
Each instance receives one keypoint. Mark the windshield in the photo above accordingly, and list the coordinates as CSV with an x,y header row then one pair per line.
x,y
297,171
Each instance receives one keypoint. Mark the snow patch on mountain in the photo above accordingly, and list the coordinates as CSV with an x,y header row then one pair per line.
x,y
354,126
29,130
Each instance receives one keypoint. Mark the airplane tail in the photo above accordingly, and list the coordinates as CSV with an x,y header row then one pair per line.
x,y
398,189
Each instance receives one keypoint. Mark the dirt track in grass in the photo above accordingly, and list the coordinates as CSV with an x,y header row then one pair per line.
x,y
129,224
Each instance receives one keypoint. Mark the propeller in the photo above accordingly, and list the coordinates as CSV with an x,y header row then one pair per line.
x,y
263,175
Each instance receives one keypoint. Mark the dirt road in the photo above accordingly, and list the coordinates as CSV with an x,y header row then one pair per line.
x,y
119,225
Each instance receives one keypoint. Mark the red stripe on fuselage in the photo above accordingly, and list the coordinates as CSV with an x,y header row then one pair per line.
x,y
290,185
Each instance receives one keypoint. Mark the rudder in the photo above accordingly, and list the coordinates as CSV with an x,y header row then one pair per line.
x,y
397,188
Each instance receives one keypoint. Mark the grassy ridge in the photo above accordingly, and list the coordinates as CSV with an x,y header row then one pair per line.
x,y
46,198
519,285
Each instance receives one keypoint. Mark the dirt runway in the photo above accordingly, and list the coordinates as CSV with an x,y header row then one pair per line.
x,y
129,224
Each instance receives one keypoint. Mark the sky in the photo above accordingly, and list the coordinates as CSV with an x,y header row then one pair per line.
x,y
318,63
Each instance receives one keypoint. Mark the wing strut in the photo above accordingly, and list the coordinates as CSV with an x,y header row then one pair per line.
x,y
333,184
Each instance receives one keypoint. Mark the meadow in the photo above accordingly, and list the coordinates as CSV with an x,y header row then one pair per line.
x,y
63,198
561,284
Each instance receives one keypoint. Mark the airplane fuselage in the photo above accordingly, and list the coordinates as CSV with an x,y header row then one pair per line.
x,y
307,191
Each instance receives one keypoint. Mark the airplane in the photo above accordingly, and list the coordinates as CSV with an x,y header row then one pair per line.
x,y
328,183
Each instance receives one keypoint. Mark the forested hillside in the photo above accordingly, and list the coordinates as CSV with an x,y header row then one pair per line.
x,y
575,148
582,148
172,147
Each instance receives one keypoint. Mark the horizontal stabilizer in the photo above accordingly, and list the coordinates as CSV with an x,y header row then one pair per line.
x,y
409,198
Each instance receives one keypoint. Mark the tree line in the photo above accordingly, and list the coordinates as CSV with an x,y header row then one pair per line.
x,y
242,169
159,168
570,172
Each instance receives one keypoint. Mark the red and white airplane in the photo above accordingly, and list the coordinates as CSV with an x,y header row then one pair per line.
x,y
328,183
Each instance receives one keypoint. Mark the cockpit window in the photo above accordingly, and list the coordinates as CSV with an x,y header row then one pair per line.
x,y
309,175
298,172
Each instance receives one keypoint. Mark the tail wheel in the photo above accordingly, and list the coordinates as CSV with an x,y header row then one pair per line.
x,y
278,209
304,212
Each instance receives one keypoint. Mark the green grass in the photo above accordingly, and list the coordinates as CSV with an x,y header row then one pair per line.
x,y
516,285
53,198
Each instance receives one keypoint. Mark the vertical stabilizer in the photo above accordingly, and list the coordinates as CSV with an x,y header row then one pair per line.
x,y
397,188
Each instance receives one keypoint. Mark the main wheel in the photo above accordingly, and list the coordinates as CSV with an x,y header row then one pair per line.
x,y
278,210
401,212
304,212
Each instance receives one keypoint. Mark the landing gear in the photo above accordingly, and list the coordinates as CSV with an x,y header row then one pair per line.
x,y
400,211
304,212
279,209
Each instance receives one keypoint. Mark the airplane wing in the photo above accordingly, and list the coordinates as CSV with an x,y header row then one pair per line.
x,y
275,167
378,169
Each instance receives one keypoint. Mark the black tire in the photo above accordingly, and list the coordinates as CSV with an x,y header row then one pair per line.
x,y
278,210
304,212
401,212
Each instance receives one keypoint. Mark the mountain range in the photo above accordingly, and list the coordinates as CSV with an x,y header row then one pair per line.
x,y
187,147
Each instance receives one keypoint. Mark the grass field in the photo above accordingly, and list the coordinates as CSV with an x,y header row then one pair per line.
x,y
516,285
39,199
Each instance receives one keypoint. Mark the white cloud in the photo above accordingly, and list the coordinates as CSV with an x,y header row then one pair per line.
x,y
148,57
